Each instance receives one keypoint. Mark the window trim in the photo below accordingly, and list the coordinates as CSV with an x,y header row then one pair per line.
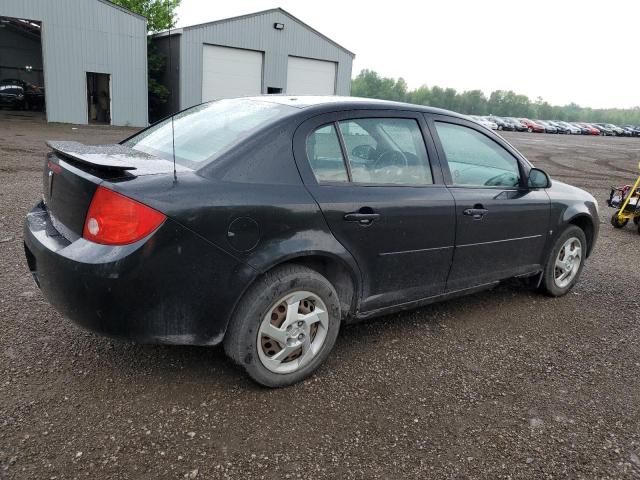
x,y
523,164
415,116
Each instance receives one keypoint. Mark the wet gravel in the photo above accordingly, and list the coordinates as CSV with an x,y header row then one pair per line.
x,y
502,384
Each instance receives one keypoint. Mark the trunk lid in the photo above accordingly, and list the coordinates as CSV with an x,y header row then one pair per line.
x,y
73,171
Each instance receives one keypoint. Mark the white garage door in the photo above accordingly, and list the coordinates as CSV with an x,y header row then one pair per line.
x,y
230,72
306,76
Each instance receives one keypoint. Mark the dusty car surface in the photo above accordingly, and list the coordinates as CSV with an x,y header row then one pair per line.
x,y
285,217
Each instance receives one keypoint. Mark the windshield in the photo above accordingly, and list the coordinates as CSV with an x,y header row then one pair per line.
x,y
201,132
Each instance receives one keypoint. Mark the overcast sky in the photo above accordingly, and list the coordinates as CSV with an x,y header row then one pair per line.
x,y
563,50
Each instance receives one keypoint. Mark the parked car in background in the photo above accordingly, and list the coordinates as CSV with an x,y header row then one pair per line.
x,y
517,124
12,96
570,127
120,247
484,122
561,128
588,129
604,131
615,131
532,126
633,130
33,95
548,128
501,123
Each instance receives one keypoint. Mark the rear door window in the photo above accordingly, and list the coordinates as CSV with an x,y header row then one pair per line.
x,y
386,151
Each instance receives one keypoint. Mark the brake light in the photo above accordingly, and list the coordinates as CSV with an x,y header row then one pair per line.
x,y
114,219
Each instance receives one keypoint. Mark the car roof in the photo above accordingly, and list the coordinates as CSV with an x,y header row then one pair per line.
x,y
329,102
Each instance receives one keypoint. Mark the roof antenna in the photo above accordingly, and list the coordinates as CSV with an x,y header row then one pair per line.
x,y
173,133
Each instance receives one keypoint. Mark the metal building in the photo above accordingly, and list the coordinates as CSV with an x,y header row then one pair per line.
x,y
265,52
88,58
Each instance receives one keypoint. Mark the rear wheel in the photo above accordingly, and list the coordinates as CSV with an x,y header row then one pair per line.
x,y
529,129
285,326
617,222
564,265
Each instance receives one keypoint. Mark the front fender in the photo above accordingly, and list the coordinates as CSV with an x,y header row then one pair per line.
x,y
575,207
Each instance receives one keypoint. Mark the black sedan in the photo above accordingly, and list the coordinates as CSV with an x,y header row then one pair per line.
x,y
12,96
518,126
282,218
502,124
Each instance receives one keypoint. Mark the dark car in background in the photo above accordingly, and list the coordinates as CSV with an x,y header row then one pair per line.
x,y
502,123
548,127
517,124
633,130
265,223
13,97
611,129
560,128
32,95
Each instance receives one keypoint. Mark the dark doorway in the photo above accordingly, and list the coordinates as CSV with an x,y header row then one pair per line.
x,y
99,98
21,72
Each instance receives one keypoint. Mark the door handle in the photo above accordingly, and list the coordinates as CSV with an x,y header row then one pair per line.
x,y
365,216
477,212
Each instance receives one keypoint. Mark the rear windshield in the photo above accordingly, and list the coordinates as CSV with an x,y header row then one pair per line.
x,y
201,132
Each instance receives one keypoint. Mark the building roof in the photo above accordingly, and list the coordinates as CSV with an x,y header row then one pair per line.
x,y
123,9
255,14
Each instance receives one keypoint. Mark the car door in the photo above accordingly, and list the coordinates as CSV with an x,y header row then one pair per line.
x,y
501,224
380,188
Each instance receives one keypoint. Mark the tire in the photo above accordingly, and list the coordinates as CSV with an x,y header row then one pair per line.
x,y
530,130
616,222
572,237
636,220
260,307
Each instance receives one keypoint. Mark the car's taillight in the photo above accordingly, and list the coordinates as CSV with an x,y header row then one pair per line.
x,y
114,219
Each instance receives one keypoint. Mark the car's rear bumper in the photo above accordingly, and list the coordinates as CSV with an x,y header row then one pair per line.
x,y
172,287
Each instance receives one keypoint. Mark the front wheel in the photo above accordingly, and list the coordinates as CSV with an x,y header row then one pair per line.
x,y
617,222
564,265
285,326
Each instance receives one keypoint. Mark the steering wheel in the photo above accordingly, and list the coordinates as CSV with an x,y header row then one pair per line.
x,y
363,151
390,159
506,179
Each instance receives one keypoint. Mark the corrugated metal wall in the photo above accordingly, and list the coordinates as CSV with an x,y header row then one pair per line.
x,y
257,33
80,36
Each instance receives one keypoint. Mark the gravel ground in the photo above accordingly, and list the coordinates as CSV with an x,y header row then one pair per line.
x,y
502,384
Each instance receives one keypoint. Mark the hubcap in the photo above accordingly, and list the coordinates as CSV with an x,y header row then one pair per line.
x,y
568,262
292,332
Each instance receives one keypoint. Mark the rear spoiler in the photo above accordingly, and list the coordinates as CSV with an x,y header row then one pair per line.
x,y
115,158
109,157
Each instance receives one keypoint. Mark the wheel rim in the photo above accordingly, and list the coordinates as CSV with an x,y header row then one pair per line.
x,y
292,332
568,262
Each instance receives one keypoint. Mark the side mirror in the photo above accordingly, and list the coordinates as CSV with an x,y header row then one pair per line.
x,y
538,179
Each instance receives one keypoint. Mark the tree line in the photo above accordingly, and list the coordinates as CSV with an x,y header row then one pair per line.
x,y
502,103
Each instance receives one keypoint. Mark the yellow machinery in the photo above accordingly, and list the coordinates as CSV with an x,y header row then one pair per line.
x,y
627,202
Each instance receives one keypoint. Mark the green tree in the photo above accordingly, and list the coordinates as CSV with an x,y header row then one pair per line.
x,y
505,103
370,85
160,15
